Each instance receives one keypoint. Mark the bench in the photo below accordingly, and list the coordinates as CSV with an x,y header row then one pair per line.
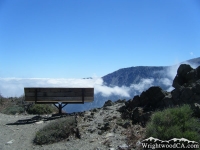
x,y
59,96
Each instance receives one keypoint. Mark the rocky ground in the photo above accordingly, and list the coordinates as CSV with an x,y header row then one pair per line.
x,y
109,127
100,129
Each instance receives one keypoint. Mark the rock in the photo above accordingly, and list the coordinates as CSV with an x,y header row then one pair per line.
x,y
107,126
191,75
135,102
108,103
198,72
93,140
123,146
155,94
107,142
39,122
176,94
185,76
120,101
94,110
77,133
126,125
186,95
122,109
137,112
183,70
196,87
10,142
91,130
166,102
196,109
100,132
177,82
138,116
109,135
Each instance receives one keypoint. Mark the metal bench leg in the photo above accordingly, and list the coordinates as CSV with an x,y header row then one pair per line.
x,y
60,106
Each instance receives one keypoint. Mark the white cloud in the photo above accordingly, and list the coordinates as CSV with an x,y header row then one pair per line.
x,y
15,86
171,71
107,91
165,81
142,85
191,53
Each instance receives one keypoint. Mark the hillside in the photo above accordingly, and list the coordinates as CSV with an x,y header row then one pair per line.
x,y
133,75
128,76
119,125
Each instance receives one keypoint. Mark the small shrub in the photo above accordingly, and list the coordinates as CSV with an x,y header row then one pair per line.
x,y
41,109
11,110
56,131
174,123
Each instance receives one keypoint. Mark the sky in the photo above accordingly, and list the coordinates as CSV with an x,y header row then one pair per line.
x,y
76,39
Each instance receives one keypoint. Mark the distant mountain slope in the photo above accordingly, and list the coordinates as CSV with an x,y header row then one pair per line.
x,y
194,61
133,75
128,76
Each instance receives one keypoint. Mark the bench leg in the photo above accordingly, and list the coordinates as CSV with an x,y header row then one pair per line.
x,y
60,106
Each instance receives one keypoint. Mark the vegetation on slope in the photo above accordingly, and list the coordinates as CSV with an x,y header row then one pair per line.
x,y
174,123
55,131
17,105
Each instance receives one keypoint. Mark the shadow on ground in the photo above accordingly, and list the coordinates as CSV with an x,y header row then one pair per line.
x,y
39,118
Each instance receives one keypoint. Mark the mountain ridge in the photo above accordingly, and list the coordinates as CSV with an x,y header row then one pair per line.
x,y
133,75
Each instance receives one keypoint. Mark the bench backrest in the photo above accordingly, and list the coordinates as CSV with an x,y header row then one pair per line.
x,y
54,95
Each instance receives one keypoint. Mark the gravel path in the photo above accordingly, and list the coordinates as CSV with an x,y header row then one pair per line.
x,y
20,137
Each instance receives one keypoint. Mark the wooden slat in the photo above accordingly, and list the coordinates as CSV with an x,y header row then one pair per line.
x,y
49,94
39,89
59,94
59,99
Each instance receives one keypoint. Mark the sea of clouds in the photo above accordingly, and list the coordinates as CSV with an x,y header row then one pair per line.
x,y
14,87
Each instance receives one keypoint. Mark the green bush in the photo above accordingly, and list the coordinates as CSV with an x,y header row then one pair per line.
x,y
41,109
174,123
12,110
55,131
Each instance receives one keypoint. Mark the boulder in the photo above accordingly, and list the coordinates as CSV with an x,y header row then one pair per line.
x,y
183,70
138,116
198,72
120,101
186,75
176,94
196,87
191,76
166,102
108,103
177,82
152,96
186,95
135,102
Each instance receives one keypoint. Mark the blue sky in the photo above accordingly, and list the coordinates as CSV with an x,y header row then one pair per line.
x,y
77,39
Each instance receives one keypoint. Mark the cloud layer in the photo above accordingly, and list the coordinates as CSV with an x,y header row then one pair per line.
x,y
15,86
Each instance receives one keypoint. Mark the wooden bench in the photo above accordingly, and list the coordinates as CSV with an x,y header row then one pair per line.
x,y
58,96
